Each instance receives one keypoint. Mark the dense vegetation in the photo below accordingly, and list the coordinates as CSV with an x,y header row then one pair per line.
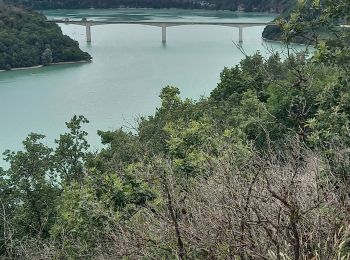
x,y
305,33
247,5
26,39
258,170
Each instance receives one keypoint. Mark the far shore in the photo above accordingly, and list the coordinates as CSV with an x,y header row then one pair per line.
x,y
41,66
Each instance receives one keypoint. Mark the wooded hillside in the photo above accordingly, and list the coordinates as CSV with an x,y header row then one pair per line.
x,y
26,39
247,5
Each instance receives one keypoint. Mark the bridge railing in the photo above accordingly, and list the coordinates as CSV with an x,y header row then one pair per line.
x,y
162,24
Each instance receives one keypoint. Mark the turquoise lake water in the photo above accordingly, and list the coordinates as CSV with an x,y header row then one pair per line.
x,y
130,66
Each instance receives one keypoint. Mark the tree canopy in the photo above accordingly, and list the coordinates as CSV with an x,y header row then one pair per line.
x,y
26,40
247,5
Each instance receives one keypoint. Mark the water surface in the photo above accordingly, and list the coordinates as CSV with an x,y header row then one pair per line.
x,y
130,66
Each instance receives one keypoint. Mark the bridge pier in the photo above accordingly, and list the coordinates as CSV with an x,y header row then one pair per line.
x,y
163,24
240,39
88,32
163,34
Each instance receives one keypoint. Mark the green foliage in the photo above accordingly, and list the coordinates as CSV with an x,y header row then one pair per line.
x,y
185,145
332,121
80,217
72,151
26,39
316,22
87,212
236,81
247,5
122,149
30,188
151,130
46,57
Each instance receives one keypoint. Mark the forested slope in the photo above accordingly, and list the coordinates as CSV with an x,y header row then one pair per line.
x,y
257,170
247,5
26,39
304,33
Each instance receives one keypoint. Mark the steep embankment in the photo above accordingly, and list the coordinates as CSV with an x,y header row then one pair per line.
x,y
27,40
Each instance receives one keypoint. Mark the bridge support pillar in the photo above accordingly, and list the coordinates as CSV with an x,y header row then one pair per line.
x,y
240,40
163,34
88,32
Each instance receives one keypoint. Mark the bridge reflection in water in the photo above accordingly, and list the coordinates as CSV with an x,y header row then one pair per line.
x,y
162,24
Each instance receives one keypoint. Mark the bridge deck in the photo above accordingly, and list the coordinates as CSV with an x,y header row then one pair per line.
x,y
162,24
159,23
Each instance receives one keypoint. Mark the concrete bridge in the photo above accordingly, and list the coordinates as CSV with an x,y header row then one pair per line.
x,y
163,24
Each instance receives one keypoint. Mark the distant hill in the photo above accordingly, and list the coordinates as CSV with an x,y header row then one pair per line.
x,y
276,6
26,40
282,7
234,5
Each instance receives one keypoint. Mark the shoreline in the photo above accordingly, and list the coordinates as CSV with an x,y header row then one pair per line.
x,y
70,62
281,42
41,66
